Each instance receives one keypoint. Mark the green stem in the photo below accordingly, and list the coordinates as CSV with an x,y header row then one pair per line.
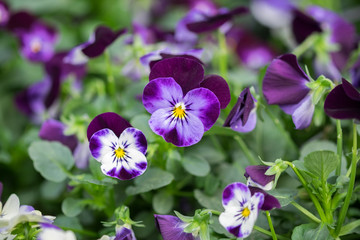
x,y
305,45
313,198
246,150
345,207
222,61
306,212
273,234
259,229
339,146
110,77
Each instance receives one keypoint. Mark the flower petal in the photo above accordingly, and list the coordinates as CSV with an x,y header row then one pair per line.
x,y
11,207
186,72
180,132
109,120
161,93
284,81
102,145
304,25
269,201
123,233
235,195
133,138
219,87
172,228
204,104
301,112
132,165
1,189
257,174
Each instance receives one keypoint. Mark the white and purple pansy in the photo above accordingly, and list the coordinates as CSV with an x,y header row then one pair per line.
x,y
256,177
49,231
241,209
119,147
180,118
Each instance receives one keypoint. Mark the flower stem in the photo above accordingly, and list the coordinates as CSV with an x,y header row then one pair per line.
x,y
259,229
246,150
345,207
110,77
222,61
339,146
306,212
305,45
273,234
313,198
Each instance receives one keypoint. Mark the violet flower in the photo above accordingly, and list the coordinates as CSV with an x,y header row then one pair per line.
x,y
355,74
49,231
256,177
4,14
270,202
285,84
241,209
242,117
343,102
172,228
119,147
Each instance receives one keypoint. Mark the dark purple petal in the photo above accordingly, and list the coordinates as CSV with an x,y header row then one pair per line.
x,y
133,138
180,132
257,174
219,87
343,102
53,130
187,73
270,201
241,112
203,104
103,37
107,120
168,55
355,74
211,23
304,25
161,93
1,189
285,82
172,228
235,195
21,21
4,14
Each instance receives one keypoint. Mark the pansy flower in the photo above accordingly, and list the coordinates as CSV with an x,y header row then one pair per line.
x,y
285,84
119,147
4,14
49,231
242,117
343,102
122,233
172,228
241,209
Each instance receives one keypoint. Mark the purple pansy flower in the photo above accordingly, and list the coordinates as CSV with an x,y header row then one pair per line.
x,y
49,231
123,233
179,118
241,209
257,178
119,147
270,201
285,84
242,117
172,228
355,74
343,102
4,14
189,74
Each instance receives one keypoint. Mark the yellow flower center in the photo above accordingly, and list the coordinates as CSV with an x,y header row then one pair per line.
x,y
179,111
119,153
35,46
245,212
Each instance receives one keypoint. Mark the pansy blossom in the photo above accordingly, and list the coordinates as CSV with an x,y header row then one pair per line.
x,y
119,147
241,209
49,231
172,228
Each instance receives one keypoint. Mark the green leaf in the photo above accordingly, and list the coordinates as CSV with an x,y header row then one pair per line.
x,y
196,165
311,231
321,163
140,122
52,190
211,202
88,178
348,228
67,222
153,178
163,202
285,196
72,207
51,159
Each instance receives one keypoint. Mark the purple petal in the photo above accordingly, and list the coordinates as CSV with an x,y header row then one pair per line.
x,y
49,226
21,21
187,73
303,26
53,130
327,69
285,82
301,112
132,165
123,233
26,209
164,55
104,36
342,102
219,87
235,195
4,14
270,201
214,22
182,33
257,174
203,104
133,138
355,74
82,155
1,189
107,120
180,132
103,144
172,228
161,93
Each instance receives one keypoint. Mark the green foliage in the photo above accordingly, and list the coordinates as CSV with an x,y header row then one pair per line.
x,y
311,231
321,164
72,207
163,202
195,165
